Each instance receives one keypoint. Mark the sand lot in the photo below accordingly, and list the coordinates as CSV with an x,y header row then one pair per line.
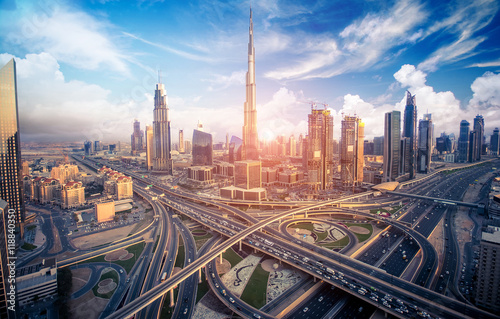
x,y
101,238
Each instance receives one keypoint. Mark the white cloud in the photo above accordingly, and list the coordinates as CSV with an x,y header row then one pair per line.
x,y
69,35
486,92
221,82
53,109
468,18
410,77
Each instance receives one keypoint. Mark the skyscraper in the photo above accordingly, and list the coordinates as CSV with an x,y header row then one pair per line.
x,y
162,160
320,148
410,131
250,139
479,129
494,142
181,141
351,151
463,142
149,147
202,148
424,144
137,138
10,151
87,145
378,145
392,144
4,288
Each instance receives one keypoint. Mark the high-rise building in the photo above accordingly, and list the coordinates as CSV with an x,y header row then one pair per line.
x,y
320,148
410,131
64,173
136,138
351,151
11,187
97,146
162,160
479,129
472,156
87,146
488,271
149,147
404,157
494,142
250,140
292,146
392,145
378,145
247,174
424,144
181,141
463,142
4,288
202,148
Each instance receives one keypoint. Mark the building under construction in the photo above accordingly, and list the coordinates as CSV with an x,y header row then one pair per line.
x,y
351,151
320,148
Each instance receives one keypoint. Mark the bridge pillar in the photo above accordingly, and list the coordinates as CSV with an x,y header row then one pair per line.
x,y
305,214
199,276
220,259
314,278
172,297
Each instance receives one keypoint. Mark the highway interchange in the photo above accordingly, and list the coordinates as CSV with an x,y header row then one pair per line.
x,y
354,272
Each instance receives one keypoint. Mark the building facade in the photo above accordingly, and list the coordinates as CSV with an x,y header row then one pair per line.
x,y
392,145
124,187
488,273
162,160
36,282
463,142
64,173
494,142
424,144
351,151
319,157
247,174
202,151
410,131
104,212
136,139
250,139
479,136
378,145
72,195
181,141
11,188
149,147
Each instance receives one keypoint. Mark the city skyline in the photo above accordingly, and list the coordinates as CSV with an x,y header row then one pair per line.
x,y
360,60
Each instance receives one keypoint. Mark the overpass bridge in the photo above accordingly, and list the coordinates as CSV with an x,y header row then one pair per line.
x,y
479,207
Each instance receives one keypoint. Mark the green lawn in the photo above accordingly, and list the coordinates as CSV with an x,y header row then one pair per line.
x,y
28,246
201,240
362,237
341,243
110,274
179,261
126,264
307,226
256,290
232,257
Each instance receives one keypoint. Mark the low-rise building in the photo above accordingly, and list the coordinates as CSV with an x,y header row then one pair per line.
x,y
72,195
36,282
105,212
488,274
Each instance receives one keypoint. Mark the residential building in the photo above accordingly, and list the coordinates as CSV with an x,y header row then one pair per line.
x,y
351,151
488,271
72,195
319,155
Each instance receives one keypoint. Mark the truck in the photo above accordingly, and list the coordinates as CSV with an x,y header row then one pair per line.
x,y
163,276
331,271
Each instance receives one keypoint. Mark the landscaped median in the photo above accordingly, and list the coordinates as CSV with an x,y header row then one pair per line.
x,y
107,283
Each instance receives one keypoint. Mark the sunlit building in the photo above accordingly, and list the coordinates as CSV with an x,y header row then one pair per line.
x,y
64,173
149,147
11,189
162,159
319,156
479,135
4,312
351,151
202,148
104,212
181,141
200,174
72,195
124,187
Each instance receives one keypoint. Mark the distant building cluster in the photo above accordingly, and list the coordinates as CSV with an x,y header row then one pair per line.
x,y
116,184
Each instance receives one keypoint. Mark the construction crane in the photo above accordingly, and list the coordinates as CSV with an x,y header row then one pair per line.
x,y
314,104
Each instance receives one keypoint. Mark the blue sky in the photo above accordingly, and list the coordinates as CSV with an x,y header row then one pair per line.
x,y
86,70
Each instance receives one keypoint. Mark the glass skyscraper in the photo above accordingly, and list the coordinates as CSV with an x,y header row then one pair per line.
x,y
10,151
202,148
392,145
463,142
410,131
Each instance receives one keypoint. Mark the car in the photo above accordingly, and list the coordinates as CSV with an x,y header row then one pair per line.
x,y
306,309
121,271
320,299
185,311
